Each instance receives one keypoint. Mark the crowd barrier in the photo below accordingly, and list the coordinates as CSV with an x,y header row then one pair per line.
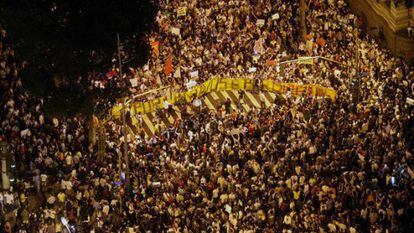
x,y
223,84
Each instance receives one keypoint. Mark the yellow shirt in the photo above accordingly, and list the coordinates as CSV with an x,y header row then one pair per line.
x,y
61,197
296,195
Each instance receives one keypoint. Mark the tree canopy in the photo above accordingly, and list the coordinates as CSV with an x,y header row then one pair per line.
x,y
67,39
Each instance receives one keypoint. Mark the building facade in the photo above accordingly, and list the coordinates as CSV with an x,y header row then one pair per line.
x,y
391,21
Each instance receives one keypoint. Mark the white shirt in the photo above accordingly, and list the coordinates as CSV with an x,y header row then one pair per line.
x,y
9,198
190,135
197,102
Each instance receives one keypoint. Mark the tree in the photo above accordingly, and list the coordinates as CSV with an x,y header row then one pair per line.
x,y
68,39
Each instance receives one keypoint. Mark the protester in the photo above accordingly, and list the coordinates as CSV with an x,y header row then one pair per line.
x,y
303,164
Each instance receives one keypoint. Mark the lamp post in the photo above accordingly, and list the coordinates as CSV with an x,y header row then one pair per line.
x,y
124,129
303,9
358,75
124,124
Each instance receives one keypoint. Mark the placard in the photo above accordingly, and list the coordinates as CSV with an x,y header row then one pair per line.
x,y
260,22
182,11
134,82
252,69
194,74
175,31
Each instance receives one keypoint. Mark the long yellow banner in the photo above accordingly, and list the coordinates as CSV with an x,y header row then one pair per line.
x,y
222,84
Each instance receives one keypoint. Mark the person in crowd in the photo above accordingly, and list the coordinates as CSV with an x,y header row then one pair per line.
x,y
302,164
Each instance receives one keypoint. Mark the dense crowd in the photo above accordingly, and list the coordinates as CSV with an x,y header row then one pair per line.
x,y
304,164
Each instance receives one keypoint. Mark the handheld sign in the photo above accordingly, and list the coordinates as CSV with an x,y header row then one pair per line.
x,y
260,22
182,11
194,74
175,31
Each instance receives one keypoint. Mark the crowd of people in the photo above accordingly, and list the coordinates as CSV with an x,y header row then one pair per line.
x,y
304,164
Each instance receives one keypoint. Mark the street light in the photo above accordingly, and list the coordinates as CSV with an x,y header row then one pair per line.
x,y
356,86
126,156
124,124
303,9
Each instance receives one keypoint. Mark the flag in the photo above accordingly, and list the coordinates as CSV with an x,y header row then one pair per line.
x,y
155,45
293,112
111,73
182,11
271,63
320,41
168,68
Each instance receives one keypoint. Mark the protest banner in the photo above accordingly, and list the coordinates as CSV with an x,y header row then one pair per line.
x,y
223,84
306,60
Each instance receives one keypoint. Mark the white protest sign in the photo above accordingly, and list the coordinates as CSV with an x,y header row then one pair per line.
x,y
25,132
194,74
134,82
260,22
175,31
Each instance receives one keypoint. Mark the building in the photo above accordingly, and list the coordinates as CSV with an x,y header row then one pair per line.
x,y
391,21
